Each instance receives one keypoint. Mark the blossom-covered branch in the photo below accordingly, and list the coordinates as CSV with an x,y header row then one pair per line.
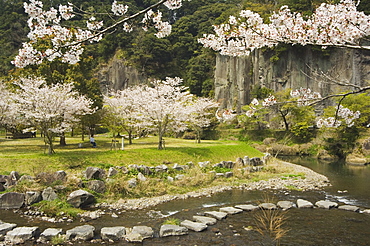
x,y
338,25
66,43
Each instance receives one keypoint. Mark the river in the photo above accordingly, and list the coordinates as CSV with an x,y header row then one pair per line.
x,y
350,185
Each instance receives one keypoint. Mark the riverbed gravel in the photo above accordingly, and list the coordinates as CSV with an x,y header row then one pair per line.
x,y
302,178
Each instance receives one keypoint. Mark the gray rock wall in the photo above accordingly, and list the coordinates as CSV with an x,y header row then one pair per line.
x,y
117,74
235,77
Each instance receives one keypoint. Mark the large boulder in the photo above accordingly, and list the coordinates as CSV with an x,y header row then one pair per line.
x,y
94,173
60,175
112,172
48,194
45,178
80,198
11,200
84,233
357,160
96,185
32,197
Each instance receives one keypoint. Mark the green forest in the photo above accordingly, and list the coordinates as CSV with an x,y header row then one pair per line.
x,y
176,55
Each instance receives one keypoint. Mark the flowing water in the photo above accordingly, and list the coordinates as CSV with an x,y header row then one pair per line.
x,y
350,185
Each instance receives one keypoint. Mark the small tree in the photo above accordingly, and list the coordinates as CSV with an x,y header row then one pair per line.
x,y
164,106
122,111
52,109
201,110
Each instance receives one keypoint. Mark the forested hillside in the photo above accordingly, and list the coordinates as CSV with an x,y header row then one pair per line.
x,y
176,55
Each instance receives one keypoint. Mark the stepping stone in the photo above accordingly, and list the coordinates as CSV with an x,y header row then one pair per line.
x,y
144,231
205,220
304,204
5,227
284,205
115,233
172,230
134,238
326,204
248,207
21,234
231,210
194,226
349,208
49,233
267,206
84,233
216,215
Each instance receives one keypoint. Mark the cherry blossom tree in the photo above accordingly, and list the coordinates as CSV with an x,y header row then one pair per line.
x,y
201,110
51,109
337,25
122,111
8,114
165,106
65,41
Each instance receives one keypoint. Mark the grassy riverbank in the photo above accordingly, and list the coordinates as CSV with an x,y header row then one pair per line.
x,y
27,156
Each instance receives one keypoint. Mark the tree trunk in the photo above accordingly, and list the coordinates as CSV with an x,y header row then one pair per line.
x,y
129,137
160,141
198,136
48,139
286,124
62,141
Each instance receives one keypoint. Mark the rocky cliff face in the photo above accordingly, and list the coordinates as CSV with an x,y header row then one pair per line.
x,y
295,68
117,75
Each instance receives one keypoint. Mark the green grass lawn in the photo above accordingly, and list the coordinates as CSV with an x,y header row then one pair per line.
x,y
28,156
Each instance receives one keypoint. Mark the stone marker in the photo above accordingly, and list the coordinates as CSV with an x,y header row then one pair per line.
x,y
304,204
205,220
172,230
194,226
231,210
326,204
216,215
115,233
84,233
21,234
